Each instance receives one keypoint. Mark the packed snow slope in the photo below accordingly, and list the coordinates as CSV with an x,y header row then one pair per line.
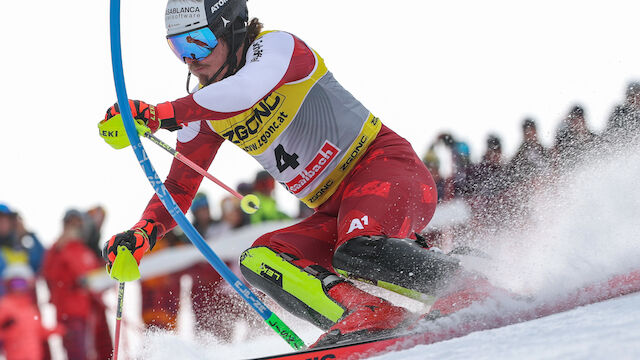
x,y
583,228
607,330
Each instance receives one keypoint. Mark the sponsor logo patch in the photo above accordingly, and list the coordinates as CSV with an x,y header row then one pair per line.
x,y
176,16
109,133
182,10
260,126
257,49
215,7
358,223
327,153
271,274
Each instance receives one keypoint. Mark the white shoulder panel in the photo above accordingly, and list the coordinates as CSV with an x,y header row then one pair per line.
x,y
267,62
189,131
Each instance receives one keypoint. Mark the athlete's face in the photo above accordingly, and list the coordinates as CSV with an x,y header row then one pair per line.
x,y
205,69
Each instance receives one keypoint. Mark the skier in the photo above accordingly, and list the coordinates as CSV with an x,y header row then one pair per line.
x,y
273,96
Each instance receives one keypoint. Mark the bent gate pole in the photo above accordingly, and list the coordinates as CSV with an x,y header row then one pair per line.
x,y
118,75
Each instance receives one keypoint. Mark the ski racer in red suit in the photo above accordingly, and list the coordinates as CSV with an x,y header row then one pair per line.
x,y
273,96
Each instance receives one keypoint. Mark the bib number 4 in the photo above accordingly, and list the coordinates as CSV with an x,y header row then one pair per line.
x,y
285,160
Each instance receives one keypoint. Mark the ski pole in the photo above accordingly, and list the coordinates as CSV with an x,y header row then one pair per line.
x,y
249,203
118,320
272,320
123,269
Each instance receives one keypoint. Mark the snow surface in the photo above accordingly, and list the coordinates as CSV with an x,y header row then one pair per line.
x,y
607,330
583,230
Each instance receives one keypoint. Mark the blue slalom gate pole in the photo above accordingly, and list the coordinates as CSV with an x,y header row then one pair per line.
x,y
123,101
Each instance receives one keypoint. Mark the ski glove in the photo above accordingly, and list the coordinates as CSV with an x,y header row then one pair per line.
x,y
149,118
138,240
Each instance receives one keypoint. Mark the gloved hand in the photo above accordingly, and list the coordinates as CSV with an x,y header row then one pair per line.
x,y
148,118
138,240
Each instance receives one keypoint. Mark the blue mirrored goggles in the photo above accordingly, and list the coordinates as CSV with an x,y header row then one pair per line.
x,y
195,45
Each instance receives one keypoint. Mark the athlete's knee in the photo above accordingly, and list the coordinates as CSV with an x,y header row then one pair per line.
x,y
263,240
360,251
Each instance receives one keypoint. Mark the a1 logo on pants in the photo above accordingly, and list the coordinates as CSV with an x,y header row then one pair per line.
x,y
358,224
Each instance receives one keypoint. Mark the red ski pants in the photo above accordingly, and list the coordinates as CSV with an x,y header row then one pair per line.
x,y
389,192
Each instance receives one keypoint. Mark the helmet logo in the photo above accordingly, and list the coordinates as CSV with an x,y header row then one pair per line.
x,y
183,11
215,7
225,21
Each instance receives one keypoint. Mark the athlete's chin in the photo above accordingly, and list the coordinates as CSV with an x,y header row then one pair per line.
x,y
202,77
198,69
206,78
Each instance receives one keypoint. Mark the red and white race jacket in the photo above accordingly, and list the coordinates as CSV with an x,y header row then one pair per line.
x,y
285,109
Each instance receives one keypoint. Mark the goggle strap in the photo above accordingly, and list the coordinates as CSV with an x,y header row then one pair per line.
x,y
232,60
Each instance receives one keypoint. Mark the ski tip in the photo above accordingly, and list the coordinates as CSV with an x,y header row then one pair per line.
x,y
125,266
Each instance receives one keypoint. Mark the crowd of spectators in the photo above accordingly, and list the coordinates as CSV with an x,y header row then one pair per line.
x,y
497,188
74,260
65,268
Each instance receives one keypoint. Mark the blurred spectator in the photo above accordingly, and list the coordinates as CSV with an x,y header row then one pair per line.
x,y
202,219
161,294
21,329
624,122
573,138
531,159
29,241
93,220
232,216
263,187
432,162
17,245
66,268
457,184
488,182
245,188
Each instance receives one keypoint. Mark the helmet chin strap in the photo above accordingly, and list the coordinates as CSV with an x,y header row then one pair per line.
x,y
188,79
238,38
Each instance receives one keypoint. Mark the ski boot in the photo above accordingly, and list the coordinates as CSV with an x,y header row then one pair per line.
x,y
405,266
321,297
368,317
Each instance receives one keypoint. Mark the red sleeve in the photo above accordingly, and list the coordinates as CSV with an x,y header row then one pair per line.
x,y
301,64
182,181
